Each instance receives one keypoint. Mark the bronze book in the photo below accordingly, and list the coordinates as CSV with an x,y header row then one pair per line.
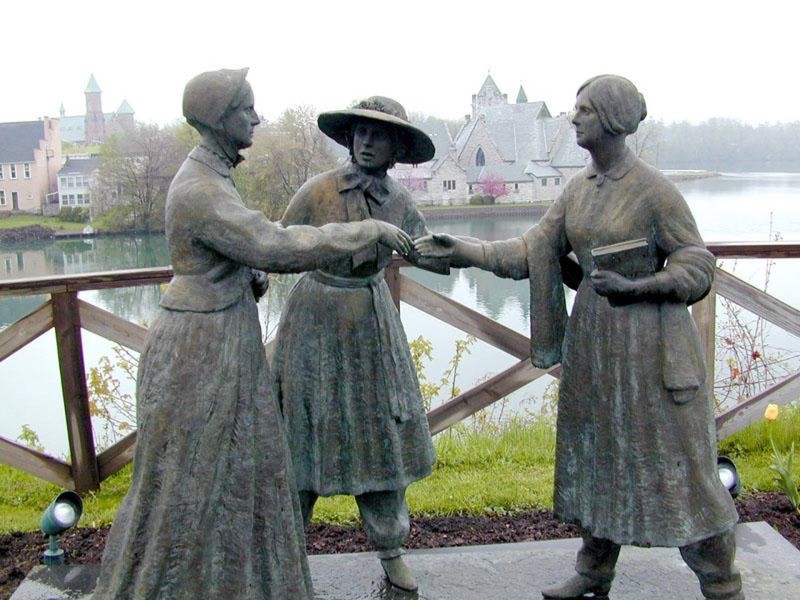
x,y
631,258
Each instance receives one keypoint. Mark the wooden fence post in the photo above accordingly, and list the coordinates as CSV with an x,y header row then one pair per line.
x,y
392,276
705,316
67,325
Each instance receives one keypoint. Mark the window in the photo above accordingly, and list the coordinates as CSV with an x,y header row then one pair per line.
x,y
2,198
544,181
27,169
449,184
558,180
516,187
470,188
480,158
1,172
13,171
8,264
14,200
63,181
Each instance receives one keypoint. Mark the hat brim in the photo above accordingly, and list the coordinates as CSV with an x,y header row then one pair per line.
x,y
337,125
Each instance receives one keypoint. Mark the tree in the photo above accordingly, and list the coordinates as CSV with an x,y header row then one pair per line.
x,y
284,155
645,142
492,185
136,168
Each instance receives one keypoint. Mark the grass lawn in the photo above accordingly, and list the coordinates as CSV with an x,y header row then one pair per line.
x,y
504,471
14,221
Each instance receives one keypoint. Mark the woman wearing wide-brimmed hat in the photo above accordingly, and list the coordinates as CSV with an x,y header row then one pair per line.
x,y
212,510
346,381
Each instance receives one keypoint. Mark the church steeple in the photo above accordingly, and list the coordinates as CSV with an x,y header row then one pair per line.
x,y
522,98
94,121
488,95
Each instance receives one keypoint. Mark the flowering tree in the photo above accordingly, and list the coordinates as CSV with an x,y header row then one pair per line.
x,y
491,185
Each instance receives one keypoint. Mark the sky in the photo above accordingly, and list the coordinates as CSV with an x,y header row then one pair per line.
x,y
692,60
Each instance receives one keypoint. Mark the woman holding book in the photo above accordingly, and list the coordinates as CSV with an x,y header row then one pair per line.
x,y
636,444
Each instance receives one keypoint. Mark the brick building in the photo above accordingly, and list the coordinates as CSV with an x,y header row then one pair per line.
x,y
95,126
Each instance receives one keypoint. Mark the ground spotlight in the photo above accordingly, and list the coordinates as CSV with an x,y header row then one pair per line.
x,y
728,475
62,514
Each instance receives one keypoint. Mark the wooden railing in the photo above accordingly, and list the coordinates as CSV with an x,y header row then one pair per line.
x,y
68,315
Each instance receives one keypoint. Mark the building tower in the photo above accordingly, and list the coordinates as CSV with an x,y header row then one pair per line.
x,y
94,121
488,95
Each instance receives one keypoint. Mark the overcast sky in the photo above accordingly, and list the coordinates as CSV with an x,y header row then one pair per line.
x,y
692,60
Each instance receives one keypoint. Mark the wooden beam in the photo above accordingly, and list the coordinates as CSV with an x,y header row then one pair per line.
x,y
705,317
112,459
25,330
36,463
758,302
481,396
67,323
748,412
111,327
53,284
463,318
754,249
392,276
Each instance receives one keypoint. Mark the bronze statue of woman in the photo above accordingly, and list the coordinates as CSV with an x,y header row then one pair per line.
x,y
636,442
212,510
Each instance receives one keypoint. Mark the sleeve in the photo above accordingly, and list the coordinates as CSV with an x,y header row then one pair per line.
x,y
248,237
689,269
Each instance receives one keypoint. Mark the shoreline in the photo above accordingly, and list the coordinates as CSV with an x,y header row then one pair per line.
x,y
430,212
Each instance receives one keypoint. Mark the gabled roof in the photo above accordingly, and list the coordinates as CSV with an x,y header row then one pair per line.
x,y
125,108
565,151
541,169
92,87
517,130
83,164
489,86
19,140
508,172
438,132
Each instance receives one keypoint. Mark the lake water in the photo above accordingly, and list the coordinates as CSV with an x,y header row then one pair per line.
x,y
733,207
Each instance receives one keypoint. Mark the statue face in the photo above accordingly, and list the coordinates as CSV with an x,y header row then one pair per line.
x,y
373,145
589,132
240,121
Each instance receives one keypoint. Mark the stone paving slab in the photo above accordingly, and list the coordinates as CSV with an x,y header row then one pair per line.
x,y
770,566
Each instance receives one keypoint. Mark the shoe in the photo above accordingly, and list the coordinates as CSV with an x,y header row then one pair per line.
x,y
578,586
398,574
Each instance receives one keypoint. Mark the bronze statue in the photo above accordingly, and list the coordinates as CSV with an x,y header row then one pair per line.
x,y
212,510
636,443
347,384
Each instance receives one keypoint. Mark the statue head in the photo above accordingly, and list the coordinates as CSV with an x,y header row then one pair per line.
x,y
381,116
618,104
219,104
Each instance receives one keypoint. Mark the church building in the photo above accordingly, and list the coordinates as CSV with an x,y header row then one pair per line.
x,y
95,126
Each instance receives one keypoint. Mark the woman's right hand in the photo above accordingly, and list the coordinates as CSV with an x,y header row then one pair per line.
x,y
436,245
394,237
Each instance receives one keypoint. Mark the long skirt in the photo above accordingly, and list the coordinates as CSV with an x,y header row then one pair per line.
x,y
212,510
348,388
632,464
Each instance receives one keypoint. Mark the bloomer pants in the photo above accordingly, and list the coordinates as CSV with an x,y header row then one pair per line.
x,y
384,515
711,559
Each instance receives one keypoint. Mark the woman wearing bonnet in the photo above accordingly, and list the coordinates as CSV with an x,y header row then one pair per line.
x,y
636,442
212,510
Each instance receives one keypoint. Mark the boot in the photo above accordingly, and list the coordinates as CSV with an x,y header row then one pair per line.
x,y
399,574
578,586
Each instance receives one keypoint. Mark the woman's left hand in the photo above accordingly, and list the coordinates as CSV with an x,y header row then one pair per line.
x,y
613,285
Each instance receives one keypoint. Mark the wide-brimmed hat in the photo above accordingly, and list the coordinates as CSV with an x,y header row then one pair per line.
x,y
337,125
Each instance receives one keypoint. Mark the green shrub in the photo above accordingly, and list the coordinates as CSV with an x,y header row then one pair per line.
x,y
481,200
74,214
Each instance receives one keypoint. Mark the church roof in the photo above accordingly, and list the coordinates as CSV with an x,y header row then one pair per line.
x,y
438,132
92,87
125,108
18,140
489,86
73,129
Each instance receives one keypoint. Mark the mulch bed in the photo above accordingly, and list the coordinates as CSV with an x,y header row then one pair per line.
x,y
19,552
21,234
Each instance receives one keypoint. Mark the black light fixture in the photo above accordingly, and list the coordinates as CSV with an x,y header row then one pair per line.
x,y
728,475
62,514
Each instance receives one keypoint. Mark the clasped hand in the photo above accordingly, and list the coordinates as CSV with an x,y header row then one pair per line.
x,y
395,238
436,245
